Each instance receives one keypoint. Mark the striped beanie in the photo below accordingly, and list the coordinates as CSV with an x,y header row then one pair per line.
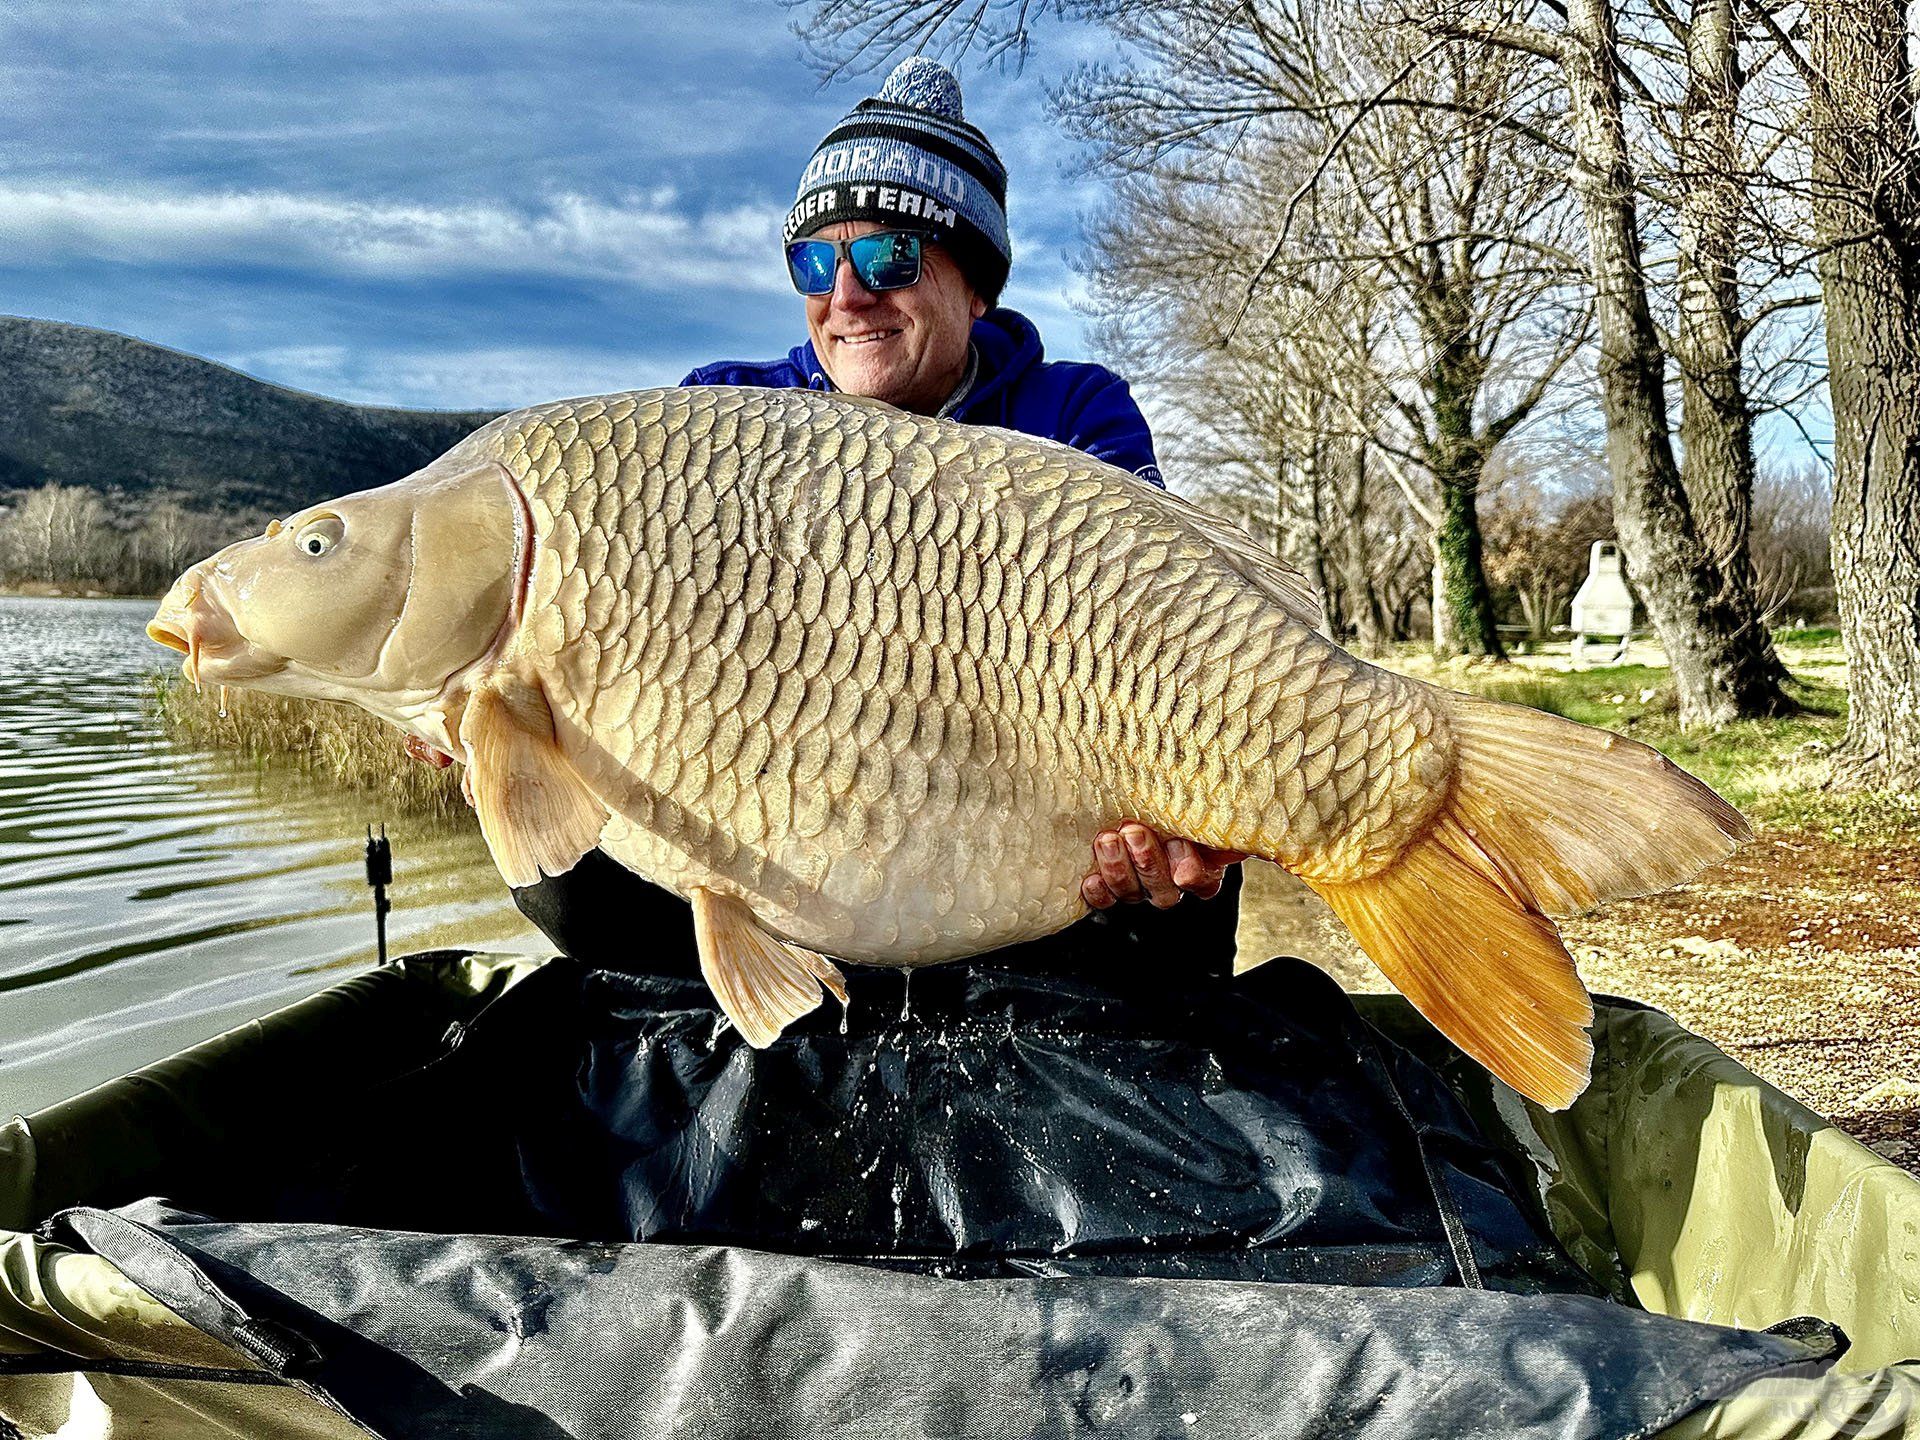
x,y
908,158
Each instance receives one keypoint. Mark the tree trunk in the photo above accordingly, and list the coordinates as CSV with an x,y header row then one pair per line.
x,y
1456,455
1461,573
1471,626
1721,664
1864,160
1716,419
1368,615
1318,528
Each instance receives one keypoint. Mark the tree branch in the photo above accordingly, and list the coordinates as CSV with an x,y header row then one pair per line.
x,y
1293,203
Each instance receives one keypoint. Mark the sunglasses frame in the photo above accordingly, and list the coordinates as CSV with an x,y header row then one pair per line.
x,y
841,256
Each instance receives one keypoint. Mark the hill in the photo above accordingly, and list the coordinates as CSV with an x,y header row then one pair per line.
x,y
88,407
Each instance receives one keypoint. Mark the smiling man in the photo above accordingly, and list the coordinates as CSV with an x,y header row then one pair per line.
x,y
897,240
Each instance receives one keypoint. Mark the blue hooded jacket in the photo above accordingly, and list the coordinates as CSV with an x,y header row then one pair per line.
x,y
1082,405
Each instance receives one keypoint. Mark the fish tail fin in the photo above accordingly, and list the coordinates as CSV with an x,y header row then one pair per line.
x,y
1544,817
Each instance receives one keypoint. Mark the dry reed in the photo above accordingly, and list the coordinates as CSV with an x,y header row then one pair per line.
x,y
334,742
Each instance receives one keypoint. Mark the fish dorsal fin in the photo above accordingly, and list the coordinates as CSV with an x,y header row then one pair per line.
x,y
536,814
1256,564
763,983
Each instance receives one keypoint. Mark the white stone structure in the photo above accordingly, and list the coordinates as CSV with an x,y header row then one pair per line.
x,y
1603,606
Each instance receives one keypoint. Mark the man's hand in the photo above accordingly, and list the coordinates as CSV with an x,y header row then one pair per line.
x,y
1133,863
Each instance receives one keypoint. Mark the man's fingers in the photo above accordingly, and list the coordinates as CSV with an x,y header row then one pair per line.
x,y
1188,864
1114,867
1094,891
1150,863
1208,889
1200,870
1136,864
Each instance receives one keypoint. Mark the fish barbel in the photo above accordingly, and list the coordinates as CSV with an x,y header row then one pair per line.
x,y
863,686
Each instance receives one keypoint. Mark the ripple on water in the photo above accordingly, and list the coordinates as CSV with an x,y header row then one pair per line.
x,y
152,896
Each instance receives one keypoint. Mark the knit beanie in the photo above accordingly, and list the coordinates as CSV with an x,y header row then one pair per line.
x,y
908,159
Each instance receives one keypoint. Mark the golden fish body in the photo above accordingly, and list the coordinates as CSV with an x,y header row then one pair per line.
x,y
882,678
865,685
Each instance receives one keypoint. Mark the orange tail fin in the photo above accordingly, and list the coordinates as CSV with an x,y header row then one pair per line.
x,y
1545,817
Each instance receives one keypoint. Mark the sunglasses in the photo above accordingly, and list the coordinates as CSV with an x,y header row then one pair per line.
x,y
884,260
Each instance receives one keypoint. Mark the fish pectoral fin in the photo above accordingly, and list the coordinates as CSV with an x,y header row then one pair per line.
x,y
763,983
536,813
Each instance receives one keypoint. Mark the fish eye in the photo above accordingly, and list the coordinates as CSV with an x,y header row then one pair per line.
x,y
319,536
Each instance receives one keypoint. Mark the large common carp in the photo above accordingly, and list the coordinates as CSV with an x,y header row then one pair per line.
x,y
865,685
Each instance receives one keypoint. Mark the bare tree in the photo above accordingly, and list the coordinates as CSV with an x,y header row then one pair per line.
x,y
168,536
1866,182
1792,543
1423,199
855,35
53,535
1721,657
1716,137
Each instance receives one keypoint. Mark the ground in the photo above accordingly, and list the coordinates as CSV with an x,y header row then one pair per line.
x,y
1799,955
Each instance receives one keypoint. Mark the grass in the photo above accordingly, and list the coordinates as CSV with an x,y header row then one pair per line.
x,y
335,743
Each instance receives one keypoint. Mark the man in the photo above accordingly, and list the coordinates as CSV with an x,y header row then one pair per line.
x,y
897,239
1105,1098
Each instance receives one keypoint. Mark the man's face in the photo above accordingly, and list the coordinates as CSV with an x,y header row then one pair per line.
x,y
906,347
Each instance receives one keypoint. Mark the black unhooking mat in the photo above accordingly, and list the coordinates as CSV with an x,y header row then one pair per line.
x,y
1039,1202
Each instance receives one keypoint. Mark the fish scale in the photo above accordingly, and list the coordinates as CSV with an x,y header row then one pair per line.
x,y
935,643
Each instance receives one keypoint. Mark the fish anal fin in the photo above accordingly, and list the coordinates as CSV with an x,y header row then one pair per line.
x,y
1484,966
763,983
536,813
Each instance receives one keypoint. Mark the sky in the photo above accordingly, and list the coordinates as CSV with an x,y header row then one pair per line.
x,y
466,205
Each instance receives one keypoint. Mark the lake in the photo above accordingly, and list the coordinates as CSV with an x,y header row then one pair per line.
x,y
153,895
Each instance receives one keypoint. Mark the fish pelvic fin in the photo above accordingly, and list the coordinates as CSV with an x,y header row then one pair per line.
x,y
536,813
763,983
1544,817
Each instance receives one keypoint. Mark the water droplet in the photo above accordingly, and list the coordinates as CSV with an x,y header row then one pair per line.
x,y
223,702
906,995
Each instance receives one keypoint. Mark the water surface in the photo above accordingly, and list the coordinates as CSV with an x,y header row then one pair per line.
x,y
153,895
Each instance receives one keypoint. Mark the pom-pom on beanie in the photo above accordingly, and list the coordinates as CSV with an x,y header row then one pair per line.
x,y
908,159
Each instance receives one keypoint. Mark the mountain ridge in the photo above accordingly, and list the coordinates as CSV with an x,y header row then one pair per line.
x,y
113,413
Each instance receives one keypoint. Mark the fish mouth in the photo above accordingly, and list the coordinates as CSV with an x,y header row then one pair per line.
x,y
194,624
169,637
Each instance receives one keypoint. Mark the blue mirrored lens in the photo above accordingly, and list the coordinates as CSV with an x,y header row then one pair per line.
x,y
885,261
811,264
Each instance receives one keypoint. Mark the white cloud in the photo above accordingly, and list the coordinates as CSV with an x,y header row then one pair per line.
x,y
649,239
476,378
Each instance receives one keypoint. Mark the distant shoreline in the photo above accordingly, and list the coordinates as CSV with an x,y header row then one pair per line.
x,y
57,592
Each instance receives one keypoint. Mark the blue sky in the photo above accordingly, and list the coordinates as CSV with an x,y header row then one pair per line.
x,y
475,205
465,203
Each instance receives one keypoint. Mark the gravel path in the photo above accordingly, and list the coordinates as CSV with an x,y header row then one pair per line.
x,y
1798,956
